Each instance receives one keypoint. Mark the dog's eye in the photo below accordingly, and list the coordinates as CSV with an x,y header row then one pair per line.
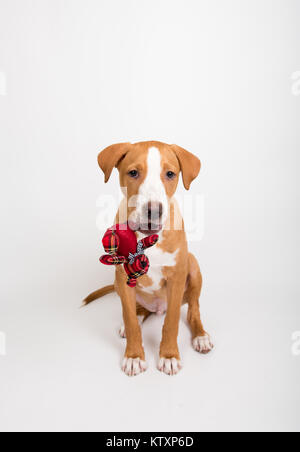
x,y
170,175
134,174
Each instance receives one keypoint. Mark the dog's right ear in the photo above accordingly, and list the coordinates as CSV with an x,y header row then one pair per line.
x,y
111,156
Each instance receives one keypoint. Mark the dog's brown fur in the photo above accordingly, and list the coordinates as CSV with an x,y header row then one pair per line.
x,y
181,283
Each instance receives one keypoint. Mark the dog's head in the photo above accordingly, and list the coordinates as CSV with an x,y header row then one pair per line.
x,y
149,174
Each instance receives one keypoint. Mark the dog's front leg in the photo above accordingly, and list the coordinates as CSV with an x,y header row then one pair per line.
x,y
134,360
169,352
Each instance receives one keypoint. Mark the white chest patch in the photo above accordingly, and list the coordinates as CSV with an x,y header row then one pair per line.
x,y
158,260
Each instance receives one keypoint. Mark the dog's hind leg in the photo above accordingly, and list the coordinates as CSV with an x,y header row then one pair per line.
x,y
142,314
201,340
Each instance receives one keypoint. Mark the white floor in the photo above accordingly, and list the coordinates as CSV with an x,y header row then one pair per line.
x,y
62,369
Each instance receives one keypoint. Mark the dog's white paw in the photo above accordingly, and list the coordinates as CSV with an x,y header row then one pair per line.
x,y
169,366
133,366
122,333
203,344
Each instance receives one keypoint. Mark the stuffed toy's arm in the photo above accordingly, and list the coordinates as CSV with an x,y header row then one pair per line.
x,y
147,242
108,259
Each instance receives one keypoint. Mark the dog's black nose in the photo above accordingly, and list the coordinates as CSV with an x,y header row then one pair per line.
x,y
155,211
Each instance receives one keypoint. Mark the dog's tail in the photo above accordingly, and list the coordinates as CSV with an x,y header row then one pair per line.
x,y
98,294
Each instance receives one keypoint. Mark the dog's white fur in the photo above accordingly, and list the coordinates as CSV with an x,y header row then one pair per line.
x,y
133,367
159,259
203,344
169,366
151,190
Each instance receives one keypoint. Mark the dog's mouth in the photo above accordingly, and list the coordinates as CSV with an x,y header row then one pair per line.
x,y
152,229
146,229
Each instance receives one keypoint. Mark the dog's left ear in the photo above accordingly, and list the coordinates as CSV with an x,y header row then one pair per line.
x,y
190,165
111,156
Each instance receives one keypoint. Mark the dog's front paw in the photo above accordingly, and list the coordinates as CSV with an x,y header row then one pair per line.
x,y
133,366
203,344
169,366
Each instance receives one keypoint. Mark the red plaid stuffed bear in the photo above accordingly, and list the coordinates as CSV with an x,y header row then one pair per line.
x,y
121,244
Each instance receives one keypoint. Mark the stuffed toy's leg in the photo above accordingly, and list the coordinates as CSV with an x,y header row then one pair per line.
x,y
139,268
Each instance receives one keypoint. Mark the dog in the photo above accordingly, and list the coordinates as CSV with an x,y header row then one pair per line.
x,y
149,175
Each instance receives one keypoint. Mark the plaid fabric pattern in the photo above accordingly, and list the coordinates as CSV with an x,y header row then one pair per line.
x,y
149,241
139,268
111,242
141,264
112,260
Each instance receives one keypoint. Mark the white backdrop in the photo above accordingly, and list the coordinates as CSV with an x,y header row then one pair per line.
x,y
218,77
